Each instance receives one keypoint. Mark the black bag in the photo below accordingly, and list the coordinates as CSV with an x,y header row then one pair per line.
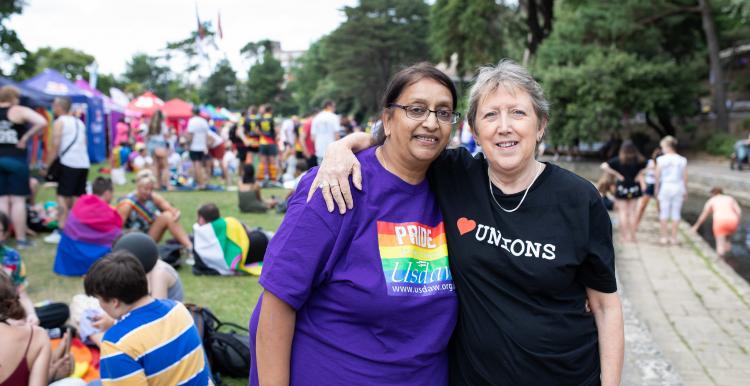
x,y
52,315
170,253
54,171
227,345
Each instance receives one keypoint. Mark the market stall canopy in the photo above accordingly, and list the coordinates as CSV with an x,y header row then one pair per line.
x,y
146,104
177,108
54,83
109,105
29,96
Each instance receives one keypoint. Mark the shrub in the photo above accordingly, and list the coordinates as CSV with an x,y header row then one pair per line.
x,y
720,144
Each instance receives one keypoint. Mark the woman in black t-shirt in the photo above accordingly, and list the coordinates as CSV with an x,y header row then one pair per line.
x,y
627,168
529,243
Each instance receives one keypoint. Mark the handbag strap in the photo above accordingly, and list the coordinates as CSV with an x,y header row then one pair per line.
x,y
75,137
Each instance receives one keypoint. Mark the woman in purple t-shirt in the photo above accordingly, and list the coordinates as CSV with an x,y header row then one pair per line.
x,y
367,297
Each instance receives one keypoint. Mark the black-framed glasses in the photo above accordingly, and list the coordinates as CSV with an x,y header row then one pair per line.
x,y
421,113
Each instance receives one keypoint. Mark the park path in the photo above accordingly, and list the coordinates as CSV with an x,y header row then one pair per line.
x,y
687,314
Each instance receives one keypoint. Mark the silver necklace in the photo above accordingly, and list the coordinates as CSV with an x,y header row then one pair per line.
x,y
489,179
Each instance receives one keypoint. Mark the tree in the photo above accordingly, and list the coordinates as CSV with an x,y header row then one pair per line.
x,y
478,32
220,89
70,62
106,81
143,72
264,80
10,43
539,16
717,73
377,38
596,73
307,76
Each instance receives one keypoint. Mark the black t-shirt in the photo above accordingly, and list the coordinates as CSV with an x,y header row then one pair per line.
x,y
629,170
521,277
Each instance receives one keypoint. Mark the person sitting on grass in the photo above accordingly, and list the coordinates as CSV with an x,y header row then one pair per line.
x,y
12,264
89,231
249,196
225,246
726,218
148,212
163,280
26,347
154,341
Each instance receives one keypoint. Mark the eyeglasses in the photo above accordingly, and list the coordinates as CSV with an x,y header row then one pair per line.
x,y
421,113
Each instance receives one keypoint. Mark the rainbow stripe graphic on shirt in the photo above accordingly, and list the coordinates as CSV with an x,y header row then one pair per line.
x,y
415,259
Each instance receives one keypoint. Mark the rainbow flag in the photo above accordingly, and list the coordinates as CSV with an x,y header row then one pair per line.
x,y
222,245
89,231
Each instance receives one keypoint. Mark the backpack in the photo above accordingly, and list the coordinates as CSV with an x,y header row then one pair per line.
x,y
227,344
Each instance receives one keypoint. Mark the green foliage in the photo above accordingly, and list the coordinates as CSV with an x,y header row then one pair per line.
x,y
478,32
70,62
264,81
143,73
605,61
720,144
10,43
106,81
220,89
377,38
306,86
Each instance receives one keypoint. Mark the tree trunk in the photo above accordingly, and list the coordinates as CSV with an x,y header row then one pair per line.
x,y
717,76
538,31
659,131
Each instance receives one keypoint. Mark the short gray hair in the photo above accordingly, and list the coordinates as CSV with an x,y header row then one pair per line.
x,y
509,75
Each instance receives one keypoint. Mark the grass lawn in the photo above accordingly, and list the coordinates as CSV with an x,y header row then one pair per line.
x,y
230,298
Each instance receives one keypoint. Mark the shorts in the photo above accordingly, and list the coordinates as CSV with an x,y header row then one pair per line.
x,y
242,153
253,149
312,162
197,155
649,190
72,182
725,226
218,152
627,192
14,176
269,150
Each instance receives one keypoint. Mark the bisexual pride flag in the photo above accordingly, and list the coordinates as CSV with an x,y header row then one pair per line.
x,y
89,231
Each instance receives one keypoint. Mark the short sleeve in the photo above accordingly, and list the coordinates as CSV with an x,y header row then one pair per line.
x,y
614,163
298,255
118,368
598,268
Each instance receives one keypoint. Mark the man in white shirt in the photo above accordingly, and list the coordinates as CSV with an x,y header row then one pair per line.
x,y
197,132
325,127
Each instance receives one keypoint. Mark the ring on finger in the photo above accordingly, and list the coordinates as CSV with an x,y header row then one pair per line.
x,y
323,185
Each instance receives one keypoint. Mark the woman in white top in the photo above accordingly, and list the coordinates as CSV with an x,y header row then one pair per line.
x,y
648,184
671,187
69,142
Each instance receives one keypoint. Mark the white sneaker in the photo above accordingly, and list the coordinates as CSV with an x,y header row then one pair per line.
x,y
53,238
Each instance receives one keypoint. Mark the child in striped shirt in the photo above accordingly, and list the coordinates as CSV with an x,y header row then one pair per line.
x,y
154,341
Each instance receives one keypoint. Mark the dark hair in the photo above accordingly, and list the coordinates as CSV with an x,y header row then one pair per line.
x,y
716,190
140,245
252,109
629,154
102,185
409,76
5,222
328,103
209,212
248,174
196,110
268,108
118,275
64,103
10,303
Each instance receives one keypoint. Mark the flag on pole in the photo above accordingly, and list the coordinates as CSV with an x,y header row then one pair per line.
x,y
201,30
218,24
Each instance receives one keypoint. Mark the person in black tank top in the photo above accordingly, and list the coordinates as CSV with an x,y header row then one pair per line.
x,y
17,125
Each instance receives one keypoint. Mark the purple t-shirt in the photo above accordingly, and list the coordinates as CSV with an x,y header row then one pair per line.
x,y
372,289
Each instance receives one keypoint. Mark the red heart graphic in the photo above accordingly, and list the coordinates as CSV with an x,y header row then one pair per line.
x,y
465,225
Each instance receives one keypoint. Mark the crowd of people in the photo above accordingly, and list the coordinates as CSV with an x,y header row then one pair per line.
x,y
505,263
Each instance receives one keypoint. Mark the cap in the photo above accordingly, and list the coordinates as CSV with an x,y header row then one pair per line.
x,y
140,245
